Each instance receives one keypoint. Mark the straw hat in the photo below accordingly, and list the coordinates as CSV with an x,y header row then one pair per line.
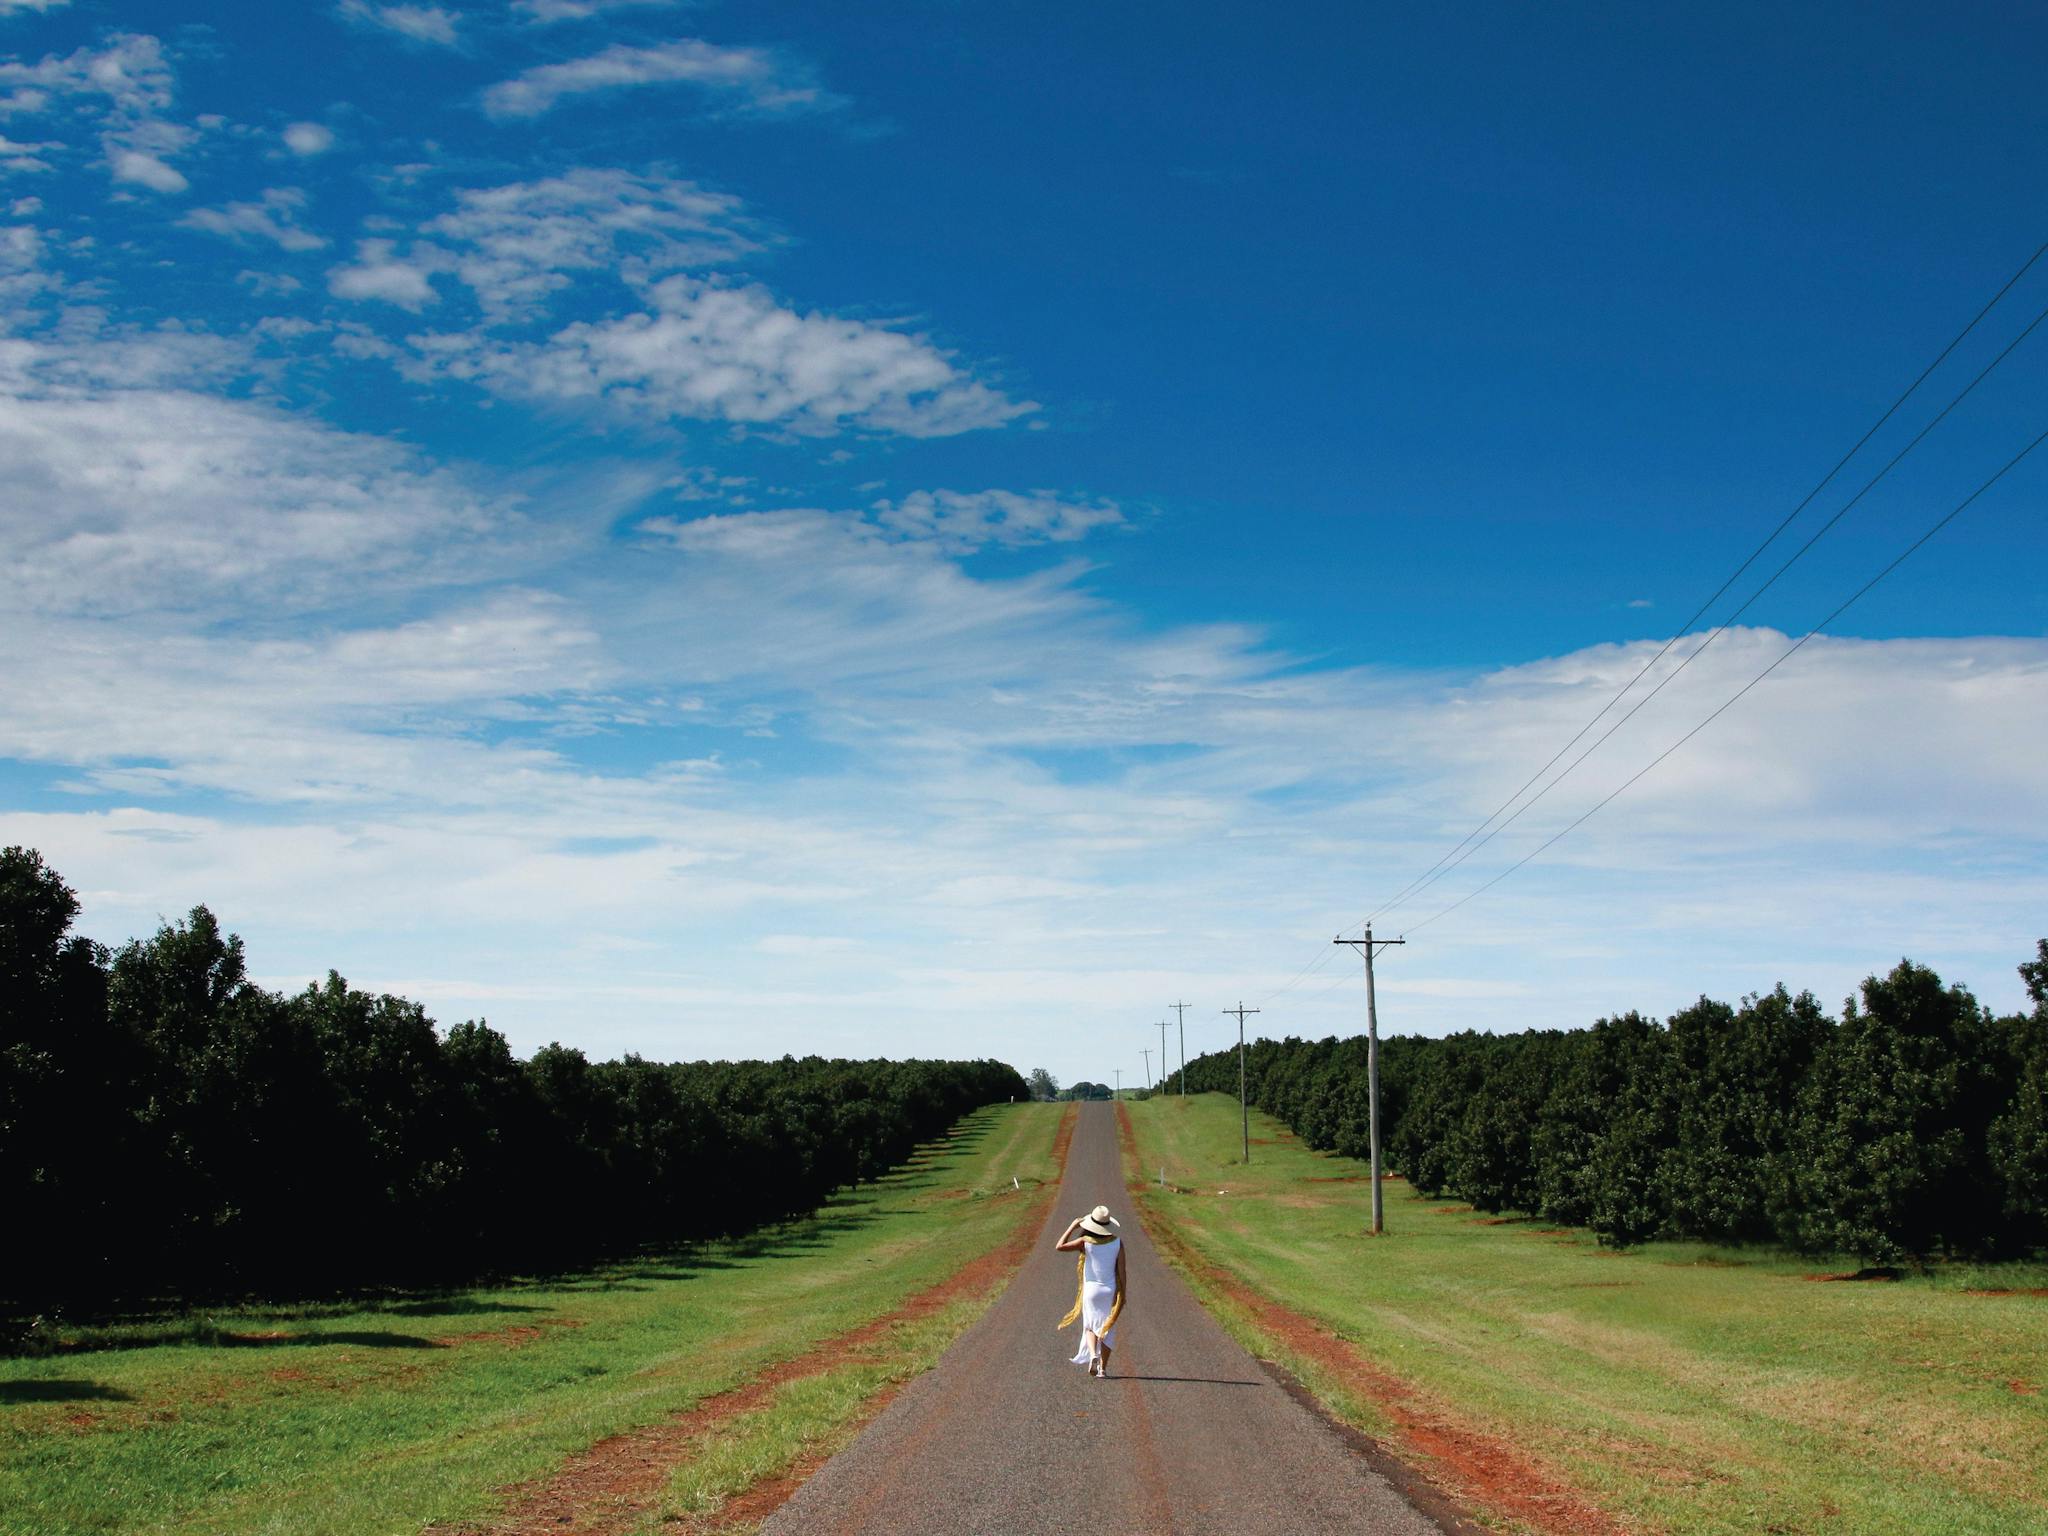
x,y
1099,1221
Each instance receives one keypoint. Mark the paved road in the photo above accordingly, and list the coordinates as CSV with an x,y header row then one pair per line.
x,y
1189,1436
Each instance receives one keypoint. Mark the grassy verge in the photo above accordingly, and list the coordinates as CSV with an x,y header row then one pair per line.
x,y
389,1418
1678,1388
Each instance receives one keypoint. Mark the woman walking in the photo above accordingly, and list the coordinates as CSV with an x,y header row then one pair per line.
x,y
1102,1285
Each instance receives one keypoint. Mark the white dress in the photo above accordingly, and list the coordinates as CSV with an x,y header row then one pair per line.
x,y
1098,1294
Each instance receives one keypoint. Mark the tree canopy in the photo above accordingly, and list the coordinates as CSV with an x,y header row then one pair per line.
x,y
170,1130
1914,1124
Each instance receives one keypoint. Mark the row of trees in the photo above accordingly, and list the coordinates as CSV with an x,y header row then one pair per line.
x,y
169,1130
1914,1124
1044,1086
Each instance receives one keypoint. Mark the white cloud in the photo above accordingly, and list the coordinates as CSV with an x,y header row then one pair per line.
x,y
421,23
268,282
545,12
145,170
23,159
132,77
1035,799
711,352
963,521
274,218
17,7
753,79
516,244
22,274
134,490
308,138
379,273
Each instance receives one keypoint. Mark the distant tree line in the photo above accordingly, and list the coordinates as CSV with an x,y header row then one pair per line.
x,y
1915,1124
169,1130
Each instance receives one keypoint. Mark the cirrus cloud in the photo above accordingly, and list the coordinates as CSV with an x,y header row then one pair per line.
x,y
707,351
421,23
753,80
274,218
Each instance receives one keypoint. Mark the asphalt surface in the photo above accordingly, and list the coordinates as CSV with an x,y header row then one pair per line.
x,y
1188,1435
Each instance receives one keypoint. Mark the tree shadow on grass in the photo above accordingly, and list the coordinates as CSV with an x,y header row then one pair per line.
x,y
61,1391
363,1338
457,1306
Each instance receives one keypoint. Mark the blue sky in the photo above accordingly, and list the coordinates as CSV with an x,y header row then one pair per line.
x,y
718,529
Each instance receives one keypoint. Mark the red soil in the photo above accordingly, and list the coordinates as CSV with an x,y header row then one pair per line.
x,y
2029,1291
608,1488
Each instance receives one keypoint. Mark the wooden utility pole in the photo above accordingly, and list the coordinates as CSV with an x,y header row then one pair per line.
x,y
1162,1053
1372,1068
1244,1109
1146,1052
1182,1010
1119,1071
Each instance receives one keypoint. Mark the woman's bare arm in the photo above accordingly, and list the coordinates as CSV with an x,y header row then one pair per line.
x,y
1068,1243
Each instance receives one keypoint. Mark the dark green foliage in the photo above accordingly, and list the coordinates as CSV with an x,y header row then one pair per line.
x,y
1732,1085
1915,1125
1889,1156
2018,1139
170,1131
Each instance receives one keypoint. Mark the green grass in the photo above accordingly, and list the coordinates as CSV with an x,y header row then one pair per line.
x,y
329,1422
1687,1389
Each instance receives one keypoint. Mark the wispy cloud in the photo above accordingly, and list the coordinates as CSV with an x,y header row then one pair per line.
x,y
421,23
963,521
546,12
20,7
274,218
516,244
21,159
711,352
746,79
981,876
136,488
22,273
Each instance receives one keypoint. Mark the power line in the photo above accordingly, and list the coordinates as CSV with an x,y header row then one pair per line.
x,y
1466,846
1428,876
1723,627
1784,657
